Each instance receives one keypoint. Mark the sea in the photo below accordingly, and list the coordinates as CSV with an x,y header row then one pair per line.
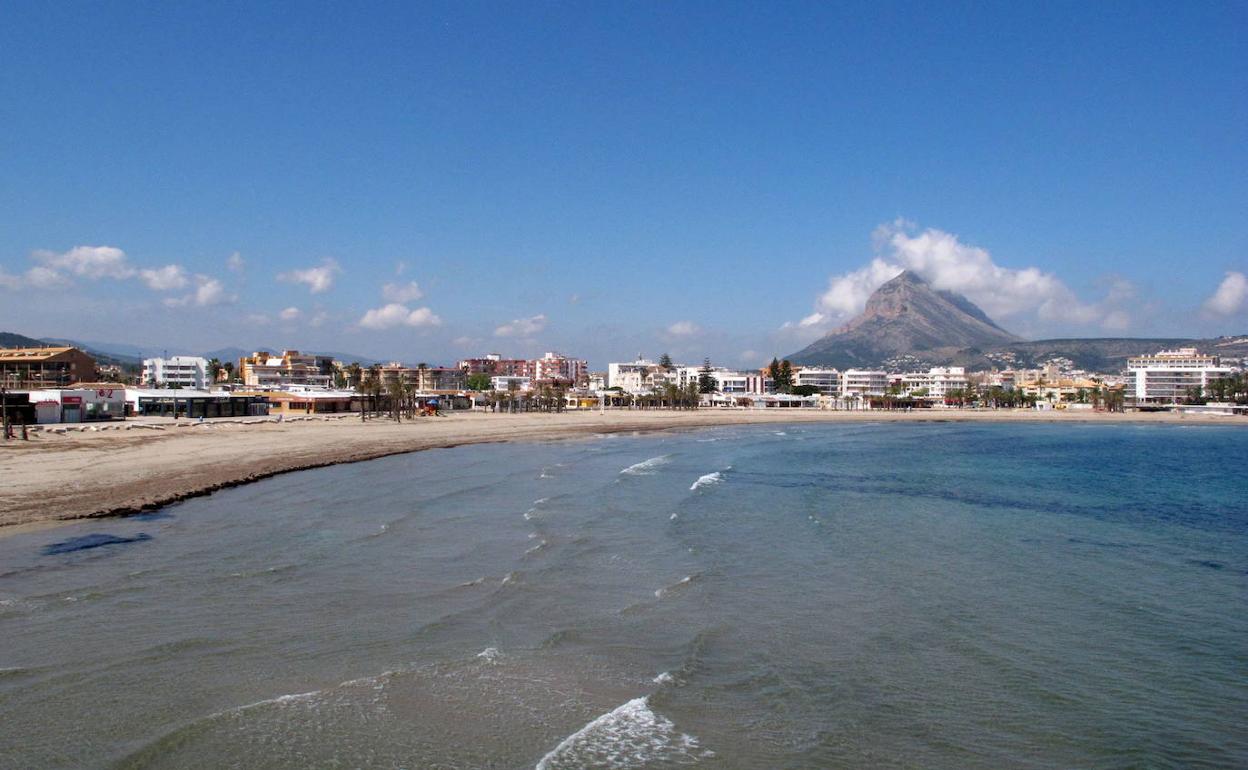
x,y
857,595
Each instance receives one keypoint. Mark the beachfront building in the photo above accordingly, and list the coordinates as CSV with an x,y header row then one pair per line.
x,y
504,383
1169,376
193,403
263,369
825,381
935,384
636,377
44,367
494,364
176,371
306,401
558,369
70,405
424,378
863,383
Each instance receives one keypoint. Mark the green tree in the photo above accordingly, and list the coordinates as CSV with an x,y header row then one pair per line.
x,y
785,383
478,382
706,380
214,369
665,361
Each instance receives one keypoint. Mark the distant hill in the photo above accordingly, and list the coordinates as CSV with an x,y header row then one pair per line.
x,y
906,317
909,325
13,340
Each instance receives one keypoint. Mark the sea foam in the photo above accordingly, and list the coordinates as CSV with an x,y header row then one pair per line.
x,y
706,481
631,735
646,467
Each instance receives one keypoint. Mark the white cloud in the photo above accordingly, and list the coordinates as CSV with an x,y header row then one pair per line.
x,y
396,314
318,319
318,279
9,281
1028,294
683,329
847,294
88,262
40,277
235,262
289,314
402,292
208,291
465,342
522,327
164,278
814,319
258,319
1230,297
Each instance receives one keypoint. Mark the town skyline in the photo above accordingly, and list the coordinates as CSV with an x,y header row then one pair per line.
x,y
443,182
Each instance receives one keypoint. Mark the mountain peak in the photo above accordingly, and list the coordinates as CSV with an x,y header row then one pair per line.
x,y
906,317
905,277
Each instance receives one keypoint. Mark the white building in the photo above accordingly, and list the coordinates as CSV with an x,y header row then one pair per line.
x,y
182,371
1168,376
857,383
826,381
726,380
632,377
936,383
504,383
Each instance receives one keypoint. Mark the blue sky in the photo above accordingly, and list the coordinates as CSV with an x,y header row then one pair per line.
x,y
608,178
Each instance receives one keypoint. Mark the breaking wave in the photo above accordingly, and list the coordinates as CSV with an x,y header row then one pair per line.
x,y
631,735
706,481
646,467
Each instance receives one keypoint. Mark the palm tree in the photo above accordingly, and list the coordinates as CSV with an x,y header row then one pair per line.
x,y
214,370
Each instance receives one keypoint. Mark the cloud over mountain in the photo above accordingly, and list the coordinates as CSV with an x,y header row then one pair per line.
x,y
948,264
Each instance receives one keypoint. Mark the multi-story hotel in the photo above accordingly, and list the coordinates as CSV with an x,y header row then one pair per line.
x,y
180,371
1168,376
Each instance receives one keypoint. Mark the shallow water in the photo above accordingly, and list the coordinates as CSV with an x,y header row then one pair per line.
x,y
935,595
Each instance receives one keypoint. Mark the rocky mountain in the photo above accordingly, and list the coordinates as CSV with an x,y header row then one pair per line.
x,y
906,318
908,325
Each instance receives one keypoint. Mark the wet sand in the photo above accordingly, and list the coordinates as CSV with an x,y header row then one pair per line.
x,y
117,471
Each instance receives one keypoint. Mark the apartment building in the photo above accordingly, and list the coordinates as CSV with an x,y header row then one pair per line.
x,y
826,381
44,367
857,383
1168,376
263,369
936,383
179,371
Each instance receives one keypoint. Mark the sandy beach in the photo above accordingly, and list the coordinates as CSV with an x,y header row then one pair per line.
x,y
117,471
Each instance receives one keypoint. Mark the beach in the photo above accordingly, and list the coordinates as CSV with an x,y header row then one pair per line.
x,y
114,471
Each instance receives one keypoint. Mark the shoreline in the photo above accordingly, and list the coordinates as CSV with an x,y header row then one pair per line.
x,y
59,478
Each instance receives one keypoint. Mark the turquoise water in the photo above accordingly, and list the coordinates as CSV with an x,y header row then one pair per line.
x,y
915,596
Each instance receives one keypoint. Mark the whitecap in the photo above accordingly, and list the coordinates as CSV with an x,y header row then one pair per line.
x,y
686,580
489,654
706,480
645,467
664,678
631,735
536,548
